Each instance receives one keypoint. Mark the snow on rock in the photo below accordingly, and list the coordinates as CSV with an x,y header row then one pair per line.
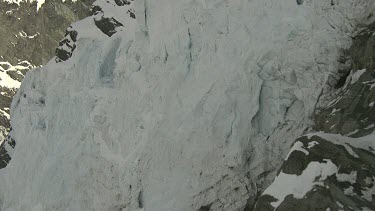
x,y
7,81
299,185
356,75
10,80
341,175
298,146
185,107
39,3
11,76
352,177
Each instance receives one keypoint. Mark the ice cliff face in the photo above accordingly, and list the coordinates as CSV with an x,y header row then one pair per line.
x,y
174,105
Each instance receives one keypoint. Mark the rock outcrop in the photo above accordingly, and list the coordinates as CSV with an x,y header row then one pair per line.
x,y
332,167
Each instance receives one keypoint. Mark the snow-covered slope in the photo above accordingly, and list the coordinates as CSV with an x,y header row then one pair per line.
x,y
173,105
10,80
28,39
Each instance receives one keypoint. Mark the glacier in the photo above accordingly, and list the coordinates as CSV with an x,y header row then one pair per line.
x,y
189,105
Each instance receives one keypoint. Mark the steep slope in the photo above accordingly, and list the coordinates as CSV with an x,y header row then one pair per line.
x,y
334,167
28,39
173,105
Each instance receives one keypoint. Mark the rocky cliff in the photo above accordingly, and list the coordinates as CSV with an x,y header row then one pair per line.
x,y
332,167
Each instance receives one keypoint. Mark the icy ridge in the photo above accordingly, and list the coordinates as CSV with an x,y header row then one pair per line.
x,y
193,104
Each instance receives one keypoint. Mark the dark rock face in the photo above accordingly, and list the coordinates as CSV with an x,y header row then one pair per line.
x,y
48,25
67,45
300,2
345,127
4,155
351,112
123,2
335,190
107,25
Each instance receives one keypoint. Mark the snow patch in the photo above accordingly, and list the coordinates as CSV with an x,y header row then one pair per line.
x,y
25,35
353,132
369,191
5,114
349,191
365,142
352,177
7,81
298,146
299,186
312,144
355,77
370,126
38,2
334,111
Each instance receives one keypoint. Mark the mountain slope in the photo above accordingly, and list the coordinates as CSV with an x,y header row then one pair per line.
x,y
186,106
333,167
28,39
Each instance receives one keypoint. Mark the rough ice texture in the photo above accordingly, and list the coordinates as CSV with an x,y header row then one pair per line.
x,y
193,104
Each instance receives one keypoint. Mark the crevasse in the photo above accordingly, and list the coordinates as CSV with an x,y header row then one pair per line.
x,y
192,104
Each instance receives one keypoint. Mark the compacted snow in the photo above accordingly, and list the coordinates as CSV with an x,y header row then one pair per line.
x,y
191,104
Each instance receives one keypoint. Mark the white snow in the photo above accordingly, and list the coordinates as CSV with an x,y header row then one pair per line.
x,y
370,126
298,146
5,114
181,105
23,65
38,2
24,34
7,81
334,111
356,75
365,142
349,191
312,144
352,177
369,192
353,132
299,186
339,204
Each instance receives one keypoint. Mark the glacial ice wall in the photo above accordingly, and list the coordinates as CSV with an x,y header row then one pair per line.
x,y
191,105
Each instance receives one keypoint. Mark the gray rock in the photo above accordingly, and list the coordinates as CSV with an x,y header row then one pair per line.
x,y
351,113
